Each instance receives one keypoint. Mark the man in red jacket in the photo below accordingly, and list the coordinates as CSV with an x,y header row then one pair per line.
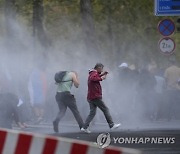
x,y
94,97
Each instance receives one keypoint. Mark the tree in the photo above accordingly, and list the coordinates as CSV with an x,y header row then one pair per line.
x,y
38,28
88,26
109,22
10,14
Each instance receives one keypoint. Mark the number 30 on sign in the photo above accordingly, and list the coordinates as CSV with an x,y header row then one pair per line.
x,y
167,45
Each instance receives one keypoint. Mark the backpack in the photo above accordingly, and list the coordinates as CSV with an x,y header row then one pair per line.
x,y
59,76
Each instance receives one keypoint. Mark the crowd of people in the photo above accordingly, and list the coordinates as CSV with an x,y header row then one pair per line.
x,y
17,108
150,92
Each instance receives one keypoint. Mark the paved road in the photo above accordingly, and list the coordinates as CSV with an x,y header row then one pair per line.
x,y
147,131
146,148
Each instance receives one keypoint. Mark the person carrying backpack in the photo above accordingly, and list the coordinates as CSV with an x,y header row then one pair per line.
x,y
64,98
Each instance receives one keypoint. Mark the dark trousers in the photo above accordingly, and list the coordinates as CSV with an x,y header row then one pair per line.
x,y
64,100
8,110
93,107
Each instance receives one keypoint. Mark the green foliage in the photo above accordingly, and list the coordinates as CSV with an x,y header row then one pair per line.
x,y
125,29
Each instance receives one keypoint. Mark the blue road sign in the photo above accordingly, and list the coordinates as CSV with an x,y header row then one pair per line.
x,y
166,27
167,7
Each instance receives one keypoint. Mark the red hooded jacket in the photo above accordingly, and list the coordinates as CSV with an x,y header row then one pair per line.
x,y
94,86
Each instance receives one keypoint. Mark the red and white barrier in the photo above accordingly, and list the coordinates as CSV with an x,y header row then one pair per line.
x,y
15,142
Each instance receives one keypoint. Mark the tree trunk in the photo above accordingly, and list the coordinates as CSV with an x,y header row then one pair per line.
x,y
10,14
109,23
38,28
88,26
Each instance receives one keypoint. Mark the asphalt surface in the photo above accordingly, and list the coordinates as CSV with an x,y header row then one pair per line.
x,y
147,148
160,130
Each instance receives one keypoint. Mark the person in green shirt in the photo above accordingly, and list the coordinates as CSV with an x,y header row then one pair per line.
x,y
65,99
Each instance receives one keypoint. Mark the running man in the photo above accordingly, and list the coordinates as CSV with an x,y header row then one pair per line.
x,y
94,97
65,99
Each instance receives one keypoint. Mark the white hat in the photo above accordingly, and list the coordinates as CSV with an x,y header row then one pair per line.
x,y
123,65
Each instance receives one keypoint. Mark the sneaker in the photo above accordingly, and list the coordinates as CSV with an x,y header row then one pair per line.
x,y
55,127
115,126
86,130
38,121
25,125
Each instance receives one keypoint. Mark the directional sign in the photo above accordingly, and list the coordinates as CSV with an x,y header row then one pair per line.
x,y
167,7
167,45
166,27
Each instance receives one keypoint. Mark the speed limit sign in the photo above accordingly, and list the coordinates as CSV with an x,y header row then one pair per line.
x,y
167,45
